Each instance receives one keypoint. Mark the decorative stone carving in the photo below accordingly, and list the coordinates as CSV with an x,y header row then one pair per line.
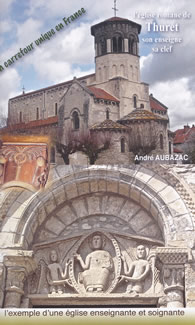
x,y
56,277
19,264
137,272
173,261
98,266
14,286
24,162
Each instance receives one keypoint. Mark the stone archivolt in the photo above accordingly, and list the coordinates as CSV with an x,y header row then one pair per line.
x,y
97,235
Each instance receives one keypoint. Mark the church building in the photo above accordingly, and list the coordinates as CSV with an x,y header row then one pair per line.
x,y
112,100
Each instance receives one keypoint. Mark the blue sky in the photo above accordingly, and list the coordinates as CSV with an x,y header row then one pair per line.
x,y
71,51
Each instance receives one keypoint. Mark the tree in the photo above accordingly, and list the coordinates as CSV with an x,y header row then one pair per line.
x,y
91,143
142,140
3,120
68,146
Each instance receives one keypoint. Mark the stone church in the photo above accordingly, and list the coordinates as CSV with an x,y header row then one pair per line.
x,y
112,100
95,235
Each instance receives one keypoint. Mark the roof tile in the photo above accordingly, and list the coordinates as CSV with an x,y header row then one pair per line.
x,y
102,94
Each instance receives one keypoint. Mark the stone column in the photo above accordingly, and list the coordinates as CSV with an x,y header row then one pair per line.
x,y
126,45
18,264
108,45
173,262
173,278
14,286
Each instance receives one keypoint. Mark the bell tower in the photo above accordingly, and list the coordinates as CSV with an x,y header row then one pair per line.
x,y
116,49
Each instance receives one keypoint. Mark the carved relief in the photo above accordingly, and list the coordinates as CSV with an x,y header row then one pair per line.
x,y
26,163
98,266
56,277
137,272
96,263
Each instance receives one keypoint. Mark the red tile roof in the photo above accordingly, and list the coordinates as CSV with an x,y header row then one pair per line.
x,y
108,125
116,19
31,124
182,135
176,150
102,94
156,105
141,114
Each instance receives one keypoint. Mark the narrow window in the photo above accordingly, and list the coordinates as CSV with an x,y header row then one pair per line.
x,y
20,117
120,44
76,121
134,101
107,114
56,109
122,145
114,44
170,151
37,113
103,46
161,141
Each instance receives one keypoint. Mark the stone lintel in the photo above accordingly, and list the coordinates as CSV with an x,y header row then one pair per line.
x,y
96,299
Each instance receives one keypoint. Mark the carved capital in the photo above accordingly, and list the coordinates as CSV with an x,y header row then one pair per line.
x,y
173,277
172,255
172,262
14,286
18,267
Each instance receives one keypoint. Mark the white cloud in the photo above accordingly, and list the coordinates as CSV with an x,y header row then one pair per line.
x,y
177,96
5,6
9,85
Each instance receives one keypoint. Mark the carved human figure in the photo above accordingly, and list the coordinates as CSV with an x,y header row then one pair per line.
x,y
137,272
98,266
56,278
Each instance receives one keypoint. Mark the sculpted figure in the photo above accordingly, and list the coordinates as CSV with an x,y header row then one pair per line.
x,y
98,266
56,278
137,272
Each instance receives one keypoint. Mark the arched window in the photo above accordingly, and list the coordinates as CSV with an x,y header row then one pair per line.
x,y
37,113
122,145
122,70
117,44
76,121
114,44
114,70
102,46
161,141
120,44
20,118
56,109
135,101
107,114
52,155
132,46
